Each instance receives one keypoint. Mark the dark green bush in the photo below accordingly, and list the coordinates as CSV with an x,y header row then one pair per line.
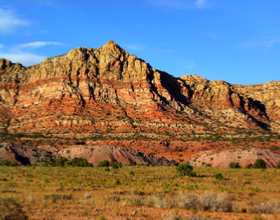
x,y
116,165
7,163
234,165
278,166
219,176
78,162
185,170
249,166
60,161
44,164
208,165
259,164
104,163
75,162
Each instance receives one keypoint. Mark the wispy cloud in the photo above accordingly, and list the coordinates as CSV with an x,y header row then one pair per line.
x,y
261,43
21,52
180,4
213,36
201,4
10,21
24,58
190,64
36,44
138,47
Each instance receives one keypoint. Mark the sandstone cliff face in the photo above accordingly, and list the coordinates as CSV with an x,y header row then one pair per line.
x,y
109,90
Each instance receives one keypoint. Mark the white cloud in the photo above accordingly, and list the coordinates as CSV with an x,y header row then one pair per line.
x,y
180,4
24,58
138,47
36,44
9,21
189,63
200,4
20,52
213,36
263,43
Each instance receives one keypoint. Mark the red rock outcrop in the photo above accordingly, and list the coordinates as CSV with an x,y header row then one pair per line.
x,y
243,157
27,155
109,90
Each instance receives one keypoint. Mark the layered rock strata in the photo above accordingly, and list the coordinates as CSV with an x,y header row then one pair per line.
x,y
109,90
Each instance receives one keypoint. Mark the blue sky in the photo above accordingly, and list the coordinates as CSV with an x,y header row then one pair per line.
x,y
237,41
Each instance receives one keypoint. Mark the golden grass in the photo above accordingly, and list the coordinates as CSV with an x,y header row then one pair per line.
x,y
151,193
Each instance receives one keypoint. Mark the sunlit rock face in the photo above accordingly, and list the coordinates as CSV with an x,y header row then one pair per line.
x,y
109,90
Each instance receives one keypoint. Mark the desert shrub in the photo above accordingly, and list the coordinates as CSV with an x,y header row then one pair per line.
x,y
249,166
234,165
87,195
131,173
104,163
60,161
186,217
44,164
208,165
116,165
219,176
10,209
259,164
54,197
188,200
78,162
101,217
185,170
7,163
278,166
270,207
212,201
208,201
107,169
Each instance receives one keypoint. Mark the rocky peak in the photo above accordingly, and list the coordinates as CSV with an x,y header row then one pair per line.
x,y
80,54
112,45
109,89
7,65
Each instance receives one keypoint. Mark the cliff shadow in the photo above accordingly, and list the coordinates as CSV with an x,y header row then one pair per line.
x,y
171,84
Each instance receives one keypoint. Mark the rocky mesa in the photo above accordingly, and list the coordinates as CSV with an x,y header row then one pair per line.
x,y
109,90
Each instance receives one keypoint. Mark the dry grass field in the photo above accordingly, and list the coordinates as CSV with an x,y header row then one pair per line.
x,y
138,192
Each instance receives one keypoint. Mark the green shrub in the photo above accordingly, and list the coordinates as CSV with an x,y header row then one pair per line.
x,y
104,163
107,169
219,176
185,170
116,165
131,173
60,161
44,165
278,166
78,162
7,163
101,217
208,165
259,164
234,165
249,166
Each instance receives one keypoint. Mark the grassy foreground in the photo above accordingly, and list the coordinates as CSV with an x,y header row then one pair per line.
x,y
138,192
